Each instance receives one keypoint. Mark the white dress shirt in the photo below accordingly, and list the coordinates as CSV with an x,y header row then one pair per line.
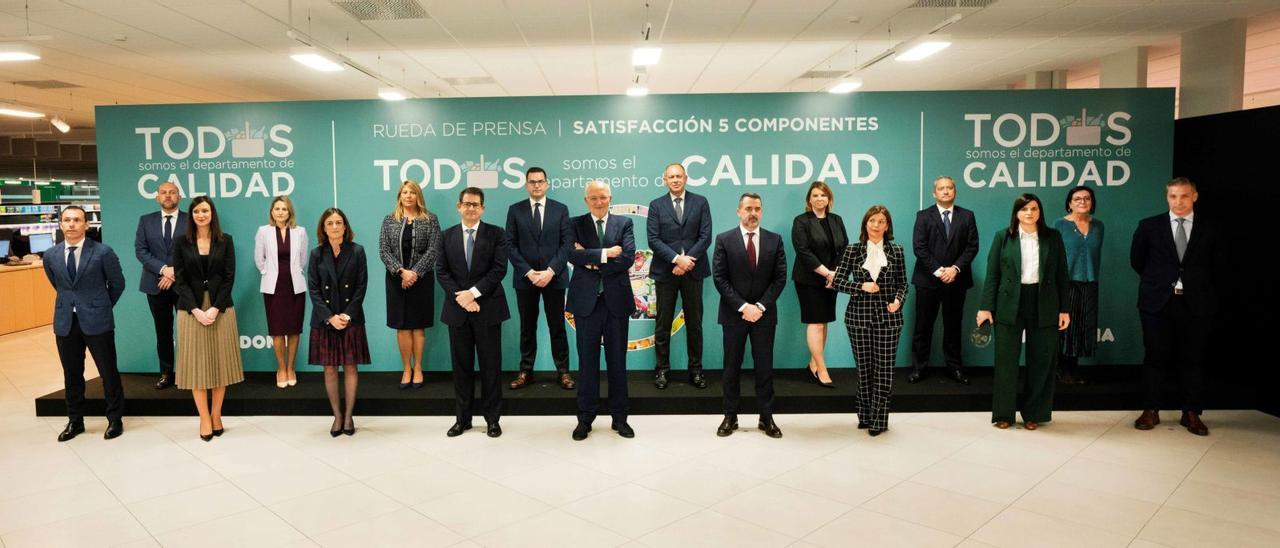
x,y
1029,243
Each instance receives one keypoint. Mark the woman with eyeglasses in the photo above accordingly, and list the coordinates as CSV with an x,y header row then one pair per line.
x,y
1082,236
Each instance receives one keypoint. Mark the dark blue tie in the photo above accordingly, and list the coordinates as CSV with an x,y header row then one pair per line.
x,y
946,223
537,218
471,246
168,232
71,263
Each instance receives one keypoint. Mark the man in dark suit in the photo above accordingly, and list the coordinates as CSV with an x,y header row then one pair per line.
x,y
750,271
89,282
540,238
153,246
945,241
471,266
679,232
601,301
1177,258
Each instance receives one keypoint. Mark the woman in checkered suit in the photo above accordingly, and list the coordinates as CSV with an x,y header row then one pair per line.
x,y
872,272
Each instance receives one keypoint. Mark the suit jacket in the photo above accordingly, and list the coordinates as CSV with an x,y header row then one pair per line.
x,y
426,244
738,285
337,285
193,280
613,273
668,237
935,250
91,296
488,268
265,248
1003,287
811,243
532,248
149,248
869,309
1154,257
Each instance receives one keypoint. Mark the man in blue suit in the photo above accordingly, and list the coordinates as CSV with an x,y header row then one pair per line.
x,y
601,301
153,246
541,239
87,277
679,232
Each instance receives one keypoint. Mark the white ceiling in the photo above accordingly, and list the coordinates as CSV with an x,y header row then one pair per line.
x,y
167,51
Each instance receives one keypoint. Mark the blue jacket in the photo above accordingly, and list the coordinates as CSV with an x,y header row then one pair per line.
x,y
668,238
533,249
613,275
149,248
96,290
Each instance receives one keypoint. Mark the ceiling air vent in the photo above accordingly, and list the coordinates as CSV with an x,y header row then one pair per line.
x,y
952,3
824,74
46,84
470,81
382,10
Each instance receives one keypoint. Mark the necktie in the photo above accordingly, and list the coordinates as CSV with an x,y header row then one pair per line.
x,y
1180,237
471,246
680,210
946,223
751,251
537,217
168,232
600,234
71,263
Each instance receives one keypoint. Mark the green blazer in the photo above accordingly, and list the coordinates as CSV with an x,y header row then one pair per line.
x,y
1003,287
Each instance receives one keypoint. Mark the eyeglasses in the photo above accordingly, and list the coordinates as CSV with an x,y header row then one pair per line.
x,y
1082,199
536,182
471,205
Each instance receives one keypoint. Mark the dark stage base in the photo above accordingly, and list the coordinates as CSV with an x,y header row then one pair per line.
x,y
1111,388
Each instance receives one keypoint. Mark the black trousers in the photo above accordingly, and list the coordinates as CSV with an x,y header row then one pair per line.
x,y
950,298
602,325
71,353
527,305
467,342
1175,338
163,308
689,290
735,343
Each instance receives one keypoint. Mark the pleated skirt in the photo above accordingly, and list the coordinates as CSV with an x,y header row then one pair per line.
x,y
208,356
1080,340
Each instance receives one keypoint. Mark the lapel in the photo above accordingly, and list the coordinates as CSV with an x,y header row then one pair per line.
x,y
672,206
859,259
942,227
1044,253
85,254
61,269
1192,241
1166,236
1013,250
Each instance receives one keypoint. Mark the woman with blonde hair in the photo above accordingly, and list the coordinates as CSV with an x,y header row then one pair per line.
x,y
408,244
819,238
280,252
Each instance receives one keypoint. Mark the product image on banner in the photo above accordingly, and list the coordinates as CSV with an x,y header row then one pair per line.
x,y
480,175
1080,134
247,147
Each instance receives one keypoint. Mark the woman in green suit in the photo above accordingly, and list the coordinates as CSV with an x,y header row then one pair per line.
x,y
1026,289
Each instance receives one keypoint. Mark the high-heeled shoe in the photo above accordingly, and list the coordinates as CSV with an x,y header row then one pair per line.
x,y
350,431
292,382
338,432
405,385
206,437
816,378
419,384
218,431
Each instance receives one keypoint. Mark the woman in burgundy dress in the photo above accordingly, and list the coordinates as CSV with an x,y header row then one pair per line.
x,y
280,250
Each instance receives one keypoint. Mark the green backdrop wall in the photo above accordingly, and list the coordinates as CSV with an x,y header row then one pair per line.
x,y
872,148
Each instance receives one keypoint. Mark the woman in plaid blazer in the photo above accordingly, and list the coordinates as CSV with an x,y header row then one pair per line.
x,y
873,273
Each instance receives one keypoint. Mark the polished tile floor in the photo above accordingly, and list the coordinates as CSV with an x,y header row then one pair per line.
x,y
940,479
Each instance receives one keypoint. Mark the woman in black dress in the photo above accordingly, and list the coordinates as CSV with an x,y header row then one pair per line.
x,y
408,244
819,238
280,250
337,278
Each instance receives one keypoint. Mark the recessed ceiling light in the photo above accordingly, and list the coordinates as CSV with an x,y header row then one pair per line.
x,y
316,60
10,110
391,94
923,47
643,57
18,52
845,86
637,91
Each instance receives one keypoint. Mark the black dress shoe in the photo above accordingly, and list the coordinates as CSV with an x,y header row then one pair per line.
x,y
166,381
457,429
660,380
493,430
727,426
862,426
769,428
114,429
623,429
914,377
580,433
958,376
697,380
72,430
875,432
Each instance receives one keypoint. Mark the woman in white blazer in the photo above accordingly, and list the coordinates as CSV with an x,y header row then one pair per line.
x,y
281,246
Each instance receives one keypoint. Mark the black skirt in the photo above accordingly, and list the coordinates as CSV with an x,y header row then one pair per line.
x,y
410,308
817,304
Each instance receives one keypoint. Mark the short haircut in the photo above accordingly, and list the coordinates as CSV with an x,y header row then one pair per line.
x,y
675,164
65,208
1177,181
941,177
597,183
533,170
1093,201
746,195
472,191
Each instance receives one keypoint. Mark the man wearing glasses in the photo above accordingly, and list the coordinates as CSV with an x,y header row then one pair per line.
x,y
541,239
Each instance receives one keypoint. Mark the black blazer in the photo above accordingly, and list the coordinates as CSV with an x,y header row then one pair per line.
x,y
488,268
738,285
1155,258
811,245
533,249
1002,290
934,250
192,280
337,285
870,309
667,237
